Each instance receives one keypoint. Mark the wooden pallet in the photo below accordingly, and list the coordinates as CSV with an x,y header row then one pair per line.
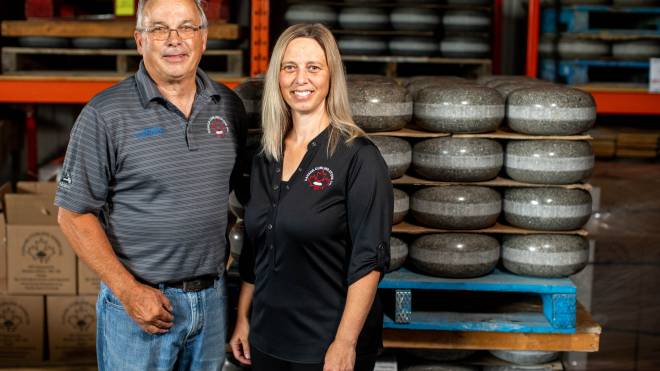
x,y
413,130
482,66
558,295
114,29
12,63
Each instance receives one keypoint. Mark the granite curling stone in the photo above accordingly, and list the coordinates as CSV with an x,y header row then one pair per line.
x,y
231,364
525,357
544,255
401,205
428,366
398,253
545,209
46,42
236,234
442,355
414,46
310,13
511,79
466,21
455,255
362,45
396,152
97,43
638,50
549,161
458,159
363,19
550,110
458,109
456,207
582,49
516,368
409,80
379,107
483,80
471,2
414,19
547,46
464,47
251,93
235,206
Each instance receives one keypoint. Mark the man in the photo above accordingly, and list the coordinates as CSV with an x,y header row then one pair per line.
x,y
143,198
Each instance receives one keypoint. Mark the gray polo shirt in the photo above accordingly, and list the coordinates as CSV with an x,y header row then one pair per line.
x,y
158,182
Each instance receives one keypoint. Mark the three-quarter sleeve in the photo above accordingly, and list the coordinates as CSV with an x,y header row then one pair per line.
x,y
88,166
370,204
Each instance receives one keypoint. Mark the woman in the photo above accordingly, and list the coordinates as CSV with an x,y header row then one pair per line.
x,y
318,221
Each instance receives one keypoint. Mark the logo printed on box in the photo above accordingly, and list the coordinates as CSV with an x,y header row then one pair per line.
x,y
41,246
12,316
80,316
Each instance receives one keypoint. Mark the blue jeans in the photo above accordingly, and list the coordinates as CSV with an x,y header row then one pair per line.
x,y
195,342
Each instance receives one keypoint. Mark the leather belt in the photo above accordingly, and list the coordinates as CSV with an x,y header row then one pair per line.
x,y
194,285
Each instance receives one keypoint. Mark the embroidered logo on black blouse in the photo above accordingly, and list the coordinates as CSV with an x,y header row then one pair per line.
x,y
218,126
319,177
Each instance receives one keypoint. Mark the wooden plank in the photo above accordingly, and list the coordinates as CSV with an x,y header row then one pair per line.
x,y
111,52
505,133
401,59
411,131
113,29
386,5
497,228
384,33
585,339
498,281
497,182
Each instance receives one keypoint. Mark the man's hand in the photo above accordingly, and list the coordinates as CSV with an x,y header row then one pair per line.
x,y
239,341
148,307
340,357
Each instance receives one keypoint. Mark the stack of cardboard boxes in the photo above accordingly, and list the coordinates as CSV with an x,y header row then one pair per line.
x,y
45,292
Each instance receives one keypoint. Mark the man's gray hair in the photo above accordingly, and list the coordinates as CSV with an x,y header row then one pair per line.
x,y
198,3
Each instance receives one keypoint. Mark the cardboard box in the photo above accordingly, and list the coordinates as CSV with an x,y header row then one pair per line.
x,y
71,327
6,188
39,257
21,329
88,282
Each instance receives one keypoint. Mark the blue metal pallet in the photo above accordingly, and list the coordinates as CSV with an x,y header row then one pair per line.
x,y
576,72
576,19
558,294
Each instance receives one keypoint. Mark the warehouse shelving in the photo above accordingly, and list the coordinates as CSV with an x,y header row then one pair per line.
x,y
486,66
609,99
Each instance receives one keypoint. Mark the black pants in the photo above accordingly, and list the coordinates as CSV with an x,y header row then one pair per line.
x,y
264,362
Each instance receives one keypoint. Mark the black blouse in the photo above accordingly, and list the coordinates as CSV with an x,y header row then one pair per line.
x,y
303,251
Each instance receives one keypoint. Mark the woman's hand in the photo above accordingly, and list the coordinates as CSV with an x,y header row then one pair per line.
x,y
239,342
340,357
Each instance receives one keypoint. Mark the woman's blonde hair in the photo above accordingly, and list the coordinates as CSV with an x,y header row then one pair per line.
x,y
276,113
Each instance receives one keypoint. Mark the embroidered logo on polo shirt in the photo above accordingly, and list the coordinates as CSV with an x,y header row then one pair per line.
x,y
150,132
65,180
320,177
218,126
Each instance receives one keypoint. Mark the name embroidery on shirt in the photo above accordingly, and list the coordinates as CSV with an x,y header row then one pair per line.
x,y
218,126
320,177
150,132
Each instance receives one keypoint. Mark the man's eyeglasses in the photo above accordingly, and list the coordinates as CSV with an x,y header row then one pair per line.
x,y
162,33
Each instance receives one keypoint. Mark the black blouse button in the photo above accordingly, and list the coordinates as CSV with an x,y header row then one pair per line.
x,y
313,144
274,205
270,247
299,169
287,187
270,226
275,186
277,170
380,247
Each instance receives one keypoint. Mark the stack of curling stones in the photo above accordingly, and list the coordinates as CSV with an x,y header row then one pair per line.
x,y
536,107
